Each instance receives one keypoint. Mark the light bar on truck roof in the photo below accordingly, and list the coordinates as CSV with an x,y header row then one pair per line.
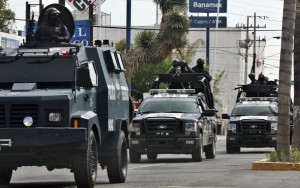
x,y
258,99
33,50
172,91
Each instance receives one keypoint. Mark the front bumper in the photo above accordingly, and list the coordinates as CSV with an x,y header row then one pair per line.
x,y
39,146
164,145
255,141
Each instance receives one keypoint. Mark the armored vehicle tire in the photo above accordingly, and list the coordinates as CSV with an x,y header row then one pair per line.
x,y
152,156
198,153
117,168
85,165
134,156
5,174
210,150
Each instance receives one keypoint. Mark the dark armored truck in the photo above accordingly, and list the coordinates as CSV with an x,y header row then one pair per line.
x,y
175,121
64,105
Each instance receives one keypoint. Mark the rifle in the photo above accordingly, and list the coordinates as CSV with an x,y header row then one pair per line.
x,y
30,30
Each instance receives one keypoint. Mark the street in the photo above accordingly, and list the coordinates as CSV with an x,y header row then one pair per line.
x,y
174,171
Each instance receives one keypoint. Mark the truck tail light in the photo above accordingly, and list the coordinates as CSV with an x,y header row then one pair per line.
x,y
75,123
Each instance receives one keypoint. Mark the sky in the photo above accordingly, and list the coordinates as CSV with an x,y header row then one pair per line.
x,y
144,14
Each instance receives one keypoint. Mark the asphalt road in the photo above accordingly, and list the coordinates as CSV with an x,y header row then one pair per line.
x,y
175,171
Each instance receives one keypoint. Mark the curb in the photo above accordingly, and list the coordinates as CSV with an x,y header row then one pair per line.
x,y
273,166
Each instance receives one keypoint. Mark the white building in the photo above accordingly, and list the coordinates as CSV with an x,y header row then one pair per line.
x,y
10,40
228,57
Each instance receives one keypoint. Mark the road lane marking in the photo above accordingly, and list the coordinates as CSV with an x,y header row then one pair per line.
x,y
145,166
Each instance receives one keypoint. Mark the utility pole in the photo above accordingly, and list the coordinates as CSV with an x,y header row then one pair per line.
x,y
247,43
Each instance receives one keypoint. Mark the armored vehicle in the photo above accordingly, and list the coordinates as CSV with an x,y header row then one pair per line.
x,y
64,105
253,120
174,121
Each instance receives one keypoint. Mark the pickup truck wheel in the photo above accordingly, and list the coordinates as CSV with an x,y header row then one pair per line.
x,y
5,174
85,165
134,156
210,152
198,153
152,156
117,168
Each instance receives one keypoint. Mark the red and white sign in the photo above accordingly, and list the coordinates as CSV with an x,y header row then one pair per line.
x,y
82,5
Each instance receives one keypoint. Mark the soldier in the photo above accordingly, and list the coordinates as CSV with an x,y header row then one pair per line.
x,y
176,67
252,78
52,30
199,68
185,68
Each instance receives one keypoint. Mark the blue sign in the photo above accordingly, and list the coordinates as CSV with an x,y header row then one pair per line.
x,y
208,22
207,6
82,32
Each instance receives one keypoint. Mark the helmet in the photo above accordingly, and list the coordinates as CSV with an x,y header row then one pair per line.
x,y
200,61
183,63
175,63
251,76
52,11
261,77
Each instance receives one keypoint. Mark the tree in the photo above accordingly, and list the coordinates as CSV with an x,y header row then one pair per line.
x,y
144,78
296,133
172,35
7,16
286,54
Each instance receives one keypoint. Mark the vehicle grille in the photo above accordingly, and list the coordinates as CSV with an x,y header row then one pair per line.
x,y
19,111
254,127
163,127
2,116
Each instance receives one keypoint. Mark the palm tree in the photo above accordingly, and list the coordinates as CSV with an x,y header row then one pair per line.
x,y
172,35
286,56
296,133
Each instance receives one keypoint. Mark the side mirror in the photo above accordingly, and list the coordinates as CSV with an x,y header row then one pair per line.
x,y
87,75
209,112
225,116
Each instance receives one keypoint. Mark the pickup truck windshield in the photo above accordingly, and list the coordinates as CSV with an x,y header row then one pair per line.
x,y
254,110
169,106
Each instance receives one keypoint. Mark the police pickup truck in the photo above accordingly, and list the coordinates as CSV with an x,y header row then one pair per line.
x,y
253,120
253,123
173,121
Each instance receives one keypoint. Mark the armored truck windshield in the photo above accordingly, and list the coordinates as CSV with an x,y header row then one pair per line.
x,y
38,69
169,105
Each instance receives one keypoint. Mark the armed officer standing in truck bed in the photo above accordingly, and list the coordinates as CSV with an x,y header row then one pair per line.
x,y
52,30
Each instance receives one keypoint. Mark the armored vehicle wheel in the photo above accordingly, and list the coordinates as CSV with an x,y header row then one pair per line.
x,y
210,150
117,168
5,174
198,153
152,156
85,165
134,156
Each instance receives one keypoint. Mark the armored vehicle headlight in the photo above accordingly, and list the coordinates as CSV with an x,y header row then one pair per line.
x,y
232,127
137,128
54,117
189,127
28,121
273,127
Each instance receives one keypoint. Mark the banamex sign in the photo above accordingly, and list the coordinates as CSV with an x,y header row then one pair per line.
x,y
207,6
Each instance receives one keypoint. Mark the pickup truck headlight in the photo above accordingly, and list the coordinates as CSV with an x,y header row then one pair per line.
x,y
189,127
273,127
232,127
54,117
137,128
